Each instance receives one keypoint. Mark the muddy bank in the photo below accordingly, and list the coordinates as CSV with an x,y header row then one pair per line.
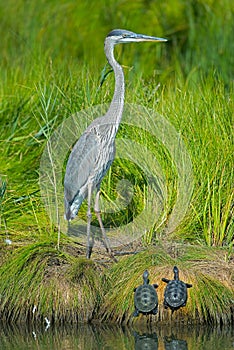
x,y
38,282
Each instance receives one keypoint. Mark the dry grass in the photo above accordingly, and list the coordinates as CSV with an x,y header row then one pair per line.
x,y
66,287
209,300
39,281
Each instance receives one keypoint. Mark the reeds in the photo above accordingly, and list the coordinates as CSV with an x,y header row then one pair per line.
x,y
49,72
41,91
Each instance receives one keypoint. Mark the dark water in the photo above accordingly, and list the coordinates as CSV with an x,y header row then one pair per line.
x,y
113,337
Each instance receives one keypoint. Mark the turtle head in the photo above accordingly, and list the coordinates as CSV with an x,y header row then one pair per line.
x,y
176,273
146,277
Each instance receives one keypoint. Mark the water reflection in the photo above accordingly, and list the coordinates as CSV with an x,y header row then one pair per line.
x,y
146,341
114,337
171,343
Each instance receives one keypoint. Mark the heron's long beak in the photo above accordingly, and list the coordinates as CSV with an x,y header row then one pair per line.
x,y
142,37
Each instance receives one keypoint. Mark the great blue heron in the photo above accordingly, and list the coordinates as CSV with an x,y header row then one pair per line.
x,y
94,152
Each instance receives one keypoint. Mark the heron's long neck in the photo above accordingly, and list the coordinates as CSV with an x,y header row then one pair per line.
x,y
115,111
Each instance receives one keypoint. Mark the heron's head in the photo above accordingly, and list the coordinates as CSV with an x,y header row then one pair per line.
x,y
122,36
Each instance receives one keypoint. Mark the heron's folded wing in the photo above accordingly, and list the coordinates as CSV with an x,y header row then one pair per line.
x,y
81,163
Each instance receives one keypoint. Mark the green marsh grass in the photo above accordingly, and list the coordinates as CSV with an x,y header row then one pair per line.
x,y
39,281
52,67
208,139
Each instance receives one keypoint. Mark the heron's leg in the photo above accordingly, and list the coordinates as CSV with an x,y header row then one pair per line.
x,y
90,238
98,214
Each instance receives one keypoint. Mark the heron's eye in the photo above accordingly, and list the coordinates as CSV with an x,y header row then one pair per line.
x,y
125,35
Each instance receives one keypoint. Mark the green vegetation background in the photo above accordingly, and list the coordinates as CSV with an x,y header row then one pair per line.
x,y
51,65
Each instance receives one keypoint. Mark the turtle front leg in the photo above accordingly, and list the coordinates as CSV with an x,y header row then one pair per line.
x,y
136,313
165,280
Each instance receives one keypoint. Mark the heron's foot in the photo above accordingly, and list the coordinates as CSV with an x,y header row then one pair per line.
x,y
88,252
110,253
109,250
112,256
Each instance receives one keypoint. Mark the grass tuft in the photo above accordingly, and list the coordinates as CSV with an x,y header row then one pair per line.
x,y
39,281
209,300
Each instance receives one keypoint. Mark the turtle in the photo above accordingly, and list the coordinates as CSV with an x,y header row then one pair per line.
x,y
172,343
145,297
145,341
175,294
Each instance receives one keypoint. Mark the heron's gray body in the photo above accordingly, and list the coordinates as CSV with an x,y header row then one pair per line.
x,y
94,152
94,161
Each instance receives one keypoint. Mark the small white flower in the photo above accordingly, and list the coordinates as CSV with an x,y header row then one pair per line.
x,y
8,241
47,323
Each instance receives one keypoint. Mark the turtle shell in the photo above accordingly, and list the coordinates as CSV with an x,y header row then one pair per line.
x,y
145,298
175,294
146,341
